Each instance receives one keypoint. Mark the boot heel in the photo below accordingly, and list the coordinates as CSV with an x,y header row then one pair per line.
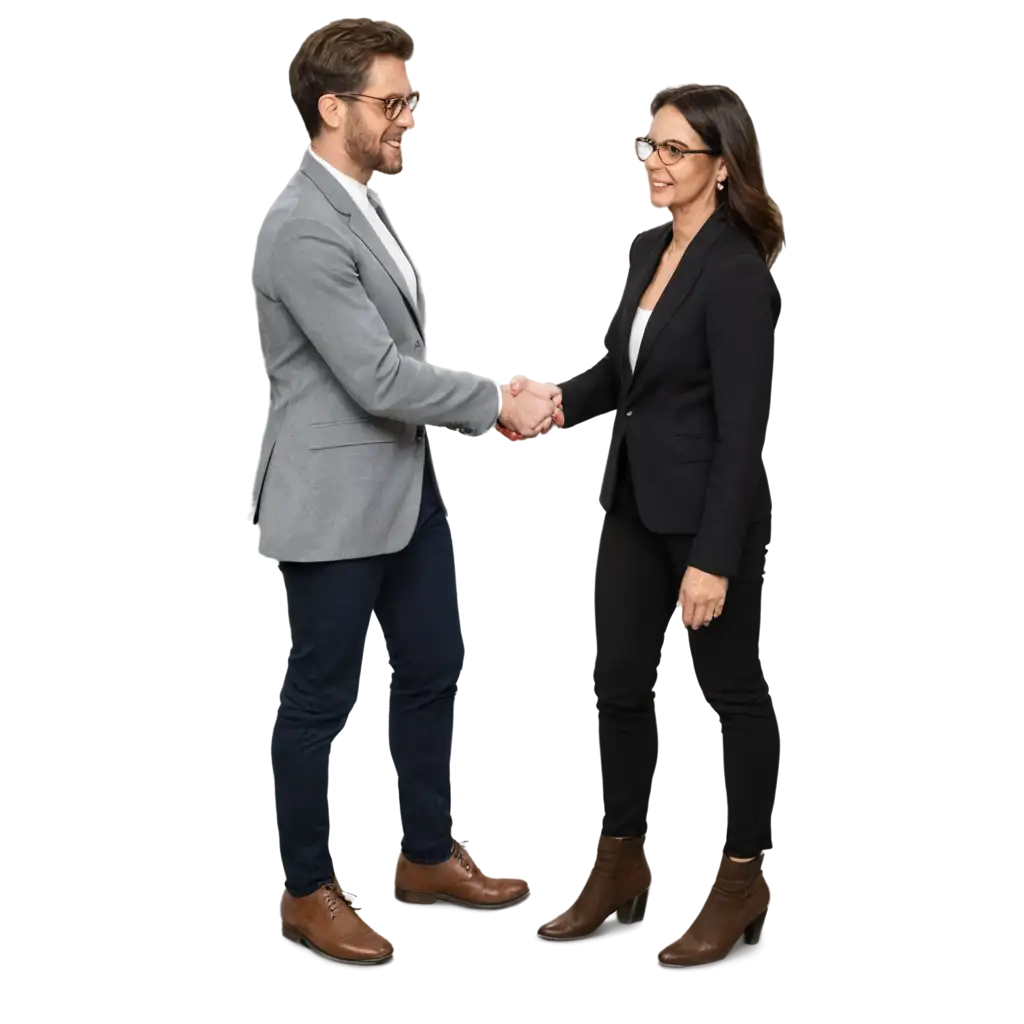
x,y
755,931
408,896
291,933
633,911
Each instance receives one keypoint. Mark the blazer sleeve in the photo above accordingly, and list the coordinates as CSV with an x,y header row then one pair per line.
x,y
596,391
314,274
742,312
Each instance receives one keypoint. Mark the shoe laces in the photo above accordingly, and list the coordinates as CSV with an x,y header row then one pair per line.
x,y
335,896
462,856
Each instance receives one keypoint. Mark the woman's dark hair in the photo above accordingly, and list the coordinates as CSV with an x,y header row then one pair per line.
x,y
718,116
337,58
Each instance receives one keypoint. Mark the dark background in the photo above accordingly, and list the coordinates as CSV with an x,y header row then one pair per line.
x,y
138,640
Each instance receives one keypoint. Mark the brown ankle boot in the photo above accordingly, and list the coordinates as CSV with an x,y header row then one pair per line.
x,y
619,881
325,922
736,905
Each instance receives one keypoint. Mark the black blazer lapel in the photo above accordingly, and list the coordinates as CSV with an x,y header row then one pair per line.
x,y
636,285
681,284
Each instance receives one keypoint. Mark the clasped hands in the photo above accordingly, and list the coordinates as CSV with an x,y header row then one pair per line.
x,y
529,408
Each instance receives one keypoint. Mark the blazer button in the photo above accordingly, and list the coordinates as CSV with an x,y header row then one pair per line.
x,y
629,412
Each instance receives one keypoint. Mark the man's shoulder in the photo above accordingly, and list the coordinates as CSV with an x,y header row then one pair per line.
x,y
301,209
300,200
300,213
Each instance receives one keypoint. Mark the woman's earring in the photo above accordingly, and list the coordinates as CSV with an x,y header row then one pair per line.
x,y
721,185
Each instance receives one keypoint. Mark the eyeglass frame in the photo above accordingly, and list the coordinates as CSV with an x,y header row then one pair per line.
x,y
656,148
403,101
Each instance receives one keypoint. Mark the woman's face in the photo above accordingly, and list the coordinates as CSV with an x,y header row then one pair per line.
x,y
690,178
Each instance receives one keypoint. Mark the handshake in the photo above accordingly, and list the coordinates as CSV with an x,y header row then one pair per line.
x,y
529,408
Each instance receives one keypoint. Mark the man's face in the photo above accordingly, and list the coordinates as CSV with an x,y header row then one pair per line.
x,y
373,142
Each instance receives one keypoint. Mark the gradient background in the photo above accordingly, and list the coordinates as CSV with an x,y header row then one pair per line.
x,y
138,639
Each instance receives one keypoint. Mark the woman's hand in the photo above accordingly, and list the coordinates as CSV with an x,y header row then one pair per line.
x,y
702,597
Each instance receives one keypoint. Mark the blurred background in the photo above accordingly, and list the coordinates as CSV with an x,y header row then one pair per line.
x,y
140,639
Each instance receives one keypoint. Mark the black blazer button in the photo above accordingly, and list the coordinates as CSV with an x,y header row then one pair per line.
x,y
629,412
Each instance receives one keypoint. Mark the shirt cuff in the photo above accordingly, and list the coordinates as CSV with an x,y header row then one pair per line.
x,y
501,402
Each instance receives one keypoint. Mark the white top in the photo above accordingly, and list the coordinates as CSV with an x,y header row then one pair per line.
x,y
636,335
361,194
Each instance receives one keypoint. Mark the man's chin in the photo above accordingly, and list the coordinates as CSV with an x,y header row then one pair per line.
x,y
389,157
392,165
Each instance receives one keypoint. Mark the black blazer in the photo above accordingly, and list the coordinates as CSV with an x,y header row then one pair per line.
x,y
693,415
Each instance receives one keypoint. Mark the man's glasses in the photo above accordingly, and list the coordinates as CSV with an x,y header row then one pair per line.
x,y
670,152
393,105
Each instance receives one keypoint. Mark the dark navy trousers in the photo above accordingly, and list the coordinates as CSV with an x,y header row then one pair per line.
x,y
413,594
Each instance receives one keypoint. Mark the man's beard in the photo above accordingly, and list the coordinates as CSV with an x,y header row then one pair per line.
x,y
367,150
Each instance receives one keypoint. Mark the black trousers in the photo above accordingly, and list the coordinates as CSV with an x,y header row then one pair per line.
x,y
638,578
413,595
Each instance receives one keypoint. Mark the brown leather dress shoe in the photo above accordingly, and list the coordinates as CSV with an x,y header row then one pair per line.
x,y
325,922
456,880
619,881
736,905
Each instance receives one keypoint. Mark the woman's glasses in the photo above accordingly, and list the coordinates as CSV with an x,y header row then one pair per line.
x,y
670,152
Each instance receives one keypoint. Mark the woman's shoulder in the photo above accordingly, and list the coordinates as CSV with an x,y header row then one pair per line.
x,y
648,239
736,246
736,256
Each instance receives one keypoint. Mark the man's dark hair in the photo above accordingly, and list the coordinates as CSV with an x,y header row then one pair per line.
x,y
337,59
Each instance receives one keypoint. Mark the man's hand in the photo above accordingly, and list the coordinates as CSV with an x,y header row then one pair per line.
x,y
549,392
702,597
525,414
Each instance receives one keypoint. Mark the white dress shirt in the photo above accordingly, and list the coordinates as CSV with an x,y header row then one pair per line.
x,y
361,195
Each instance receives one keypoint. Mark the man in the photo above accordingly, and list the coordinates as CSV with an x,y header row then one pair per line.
x,y
345,495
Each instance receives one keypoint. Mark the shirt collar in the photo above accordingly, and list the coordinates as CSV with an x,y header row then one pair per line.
x,y
356,189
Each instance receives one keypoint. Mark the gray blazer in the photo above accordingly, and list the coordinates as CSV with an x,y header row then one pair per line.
x,y
341,466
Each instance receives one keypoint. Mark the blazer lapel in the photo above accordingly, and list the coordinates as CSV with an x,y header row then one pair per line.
x,y
363,229
637,284
399,237
680,285
420,304
337,195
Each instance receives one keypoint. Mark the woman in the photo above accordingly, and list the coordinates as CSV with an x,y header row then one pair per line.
x,y
688,374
